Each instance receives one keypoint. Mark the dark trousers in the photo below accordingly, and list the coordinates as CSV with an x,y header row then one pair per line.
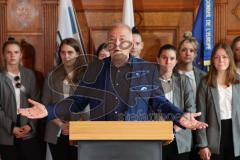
x,y
170,152
226,145
62,150
21,150
194,151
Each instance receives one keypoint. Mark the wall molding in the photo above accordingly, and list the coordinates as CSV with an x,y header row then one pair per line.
x,y
50,18
3,23
220,20
139,5
236,11
221,1
3,1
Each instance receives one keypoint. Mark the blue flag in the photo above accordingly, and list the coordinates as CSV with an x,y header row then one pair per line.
x,y
203,31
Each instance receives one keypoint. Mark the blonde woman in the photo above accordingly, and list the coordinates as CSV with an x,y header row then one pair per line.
x,y
187,53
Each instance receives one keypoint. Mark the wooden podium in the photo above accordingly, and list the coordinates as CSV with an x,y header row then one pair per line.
x,y
120,140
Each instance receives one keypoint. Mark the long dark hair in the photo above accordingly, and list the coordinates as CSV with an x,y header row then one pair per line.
x,y
70,42
77,72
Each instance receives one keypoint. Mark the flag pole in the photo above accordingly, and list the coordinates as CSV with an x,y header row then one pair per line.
x,y
82,44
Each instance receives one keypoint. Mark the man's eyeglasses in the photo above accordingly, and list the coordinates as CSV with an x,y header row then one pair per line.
x,y
18,82
123,45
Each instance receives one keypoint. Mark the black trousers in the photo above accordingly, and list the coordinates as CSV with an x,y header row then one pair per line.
x,y
226,145
170,152
21,150
194,151
62,150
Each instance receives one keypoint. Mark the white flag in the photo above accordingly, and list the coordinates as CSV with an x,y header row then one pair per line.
x,y
67,24
128,15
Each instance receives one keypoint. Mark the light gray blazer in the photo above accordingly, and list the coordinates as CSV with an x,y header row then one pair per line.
x,y
183,97
8,114
208,104
52,94
199,74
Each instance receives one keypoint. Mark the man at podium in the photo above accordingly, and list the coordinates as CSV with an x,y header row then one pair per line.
x,y
120,87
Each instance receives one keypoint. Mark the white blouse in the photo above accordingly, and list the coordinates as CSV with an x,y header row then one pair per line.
x,y
225,101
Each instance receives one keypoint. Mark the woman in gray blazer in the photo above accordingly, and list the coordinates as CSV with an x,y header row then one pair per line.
x,y
17,84
177,90
218,100
187,53
60,84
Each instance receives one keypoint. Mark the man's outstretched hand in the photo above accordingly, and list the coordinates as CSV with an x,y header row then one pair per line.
x,y
37,110
188,121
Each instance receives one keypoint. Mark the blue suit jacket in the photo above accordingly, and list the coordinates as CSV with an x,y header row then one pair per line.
x,y
98,90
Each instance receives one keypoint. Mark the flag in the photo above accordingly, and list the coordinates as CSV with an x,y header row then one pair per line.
x,y
203,31
68,25
128,14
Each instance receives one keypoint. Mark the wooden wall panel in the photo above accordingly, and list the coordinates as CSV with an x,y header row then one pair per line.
x,y
25,23
233,19
24,16
50,14
154,37
165,25
96,16
220,20
151,24
139,5
3,24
